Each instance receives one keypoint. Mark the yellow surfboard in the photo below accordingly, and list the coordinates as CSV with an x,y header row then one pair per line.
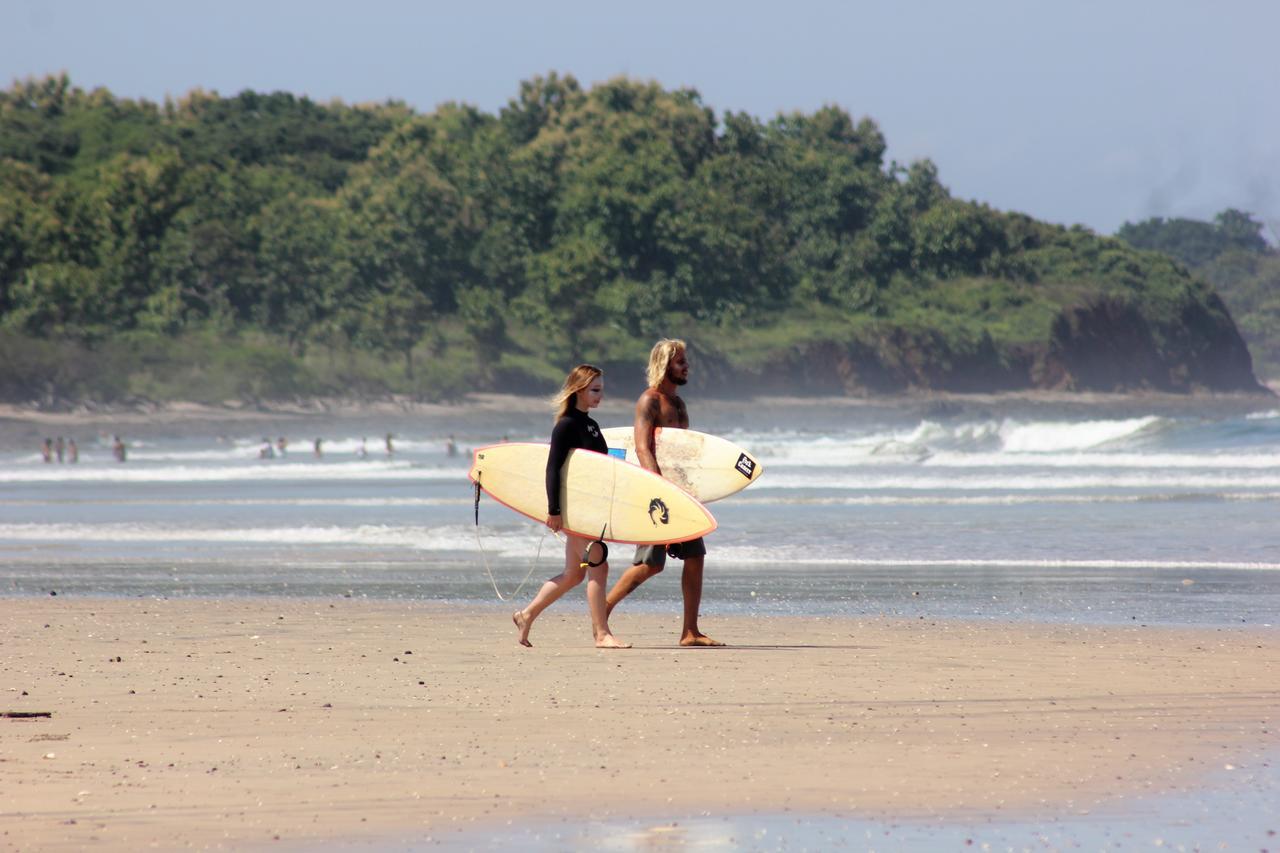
x,y
598,493
706,466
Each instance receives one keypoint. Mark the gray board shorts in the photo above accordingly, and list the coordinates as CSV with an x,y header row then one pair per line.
x,y
655,556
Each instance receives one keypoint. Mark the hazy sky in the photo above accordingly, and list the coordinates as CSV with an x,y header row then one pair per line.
x,y
1071,111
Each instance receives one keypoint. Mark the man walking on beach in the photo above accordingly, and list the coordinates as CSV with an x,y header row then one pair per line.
x,y
661,406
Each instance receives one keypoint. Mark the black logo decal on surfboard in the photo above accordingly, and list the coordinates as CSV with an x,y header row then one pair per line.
x,y
664,515
746,466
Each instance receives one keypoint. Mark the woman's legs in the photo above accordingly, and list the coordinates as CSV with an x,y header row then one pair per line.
x,y
554,588
598,577
597,580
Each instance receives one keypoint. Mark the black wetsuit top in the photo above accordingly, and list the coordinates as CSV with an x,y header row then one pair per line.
x,y
576,429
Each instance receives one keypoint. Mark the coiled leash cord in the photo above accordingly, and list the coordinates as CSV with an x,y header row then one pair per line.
x,y
585,562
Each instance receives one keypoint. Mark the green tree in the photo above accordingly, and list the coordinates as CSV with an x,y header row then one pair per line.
x,y
395,319
304,277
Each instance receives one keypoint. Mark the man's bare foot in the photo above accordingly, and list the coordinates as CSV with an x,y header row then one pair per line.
x,y
523,625
608,641
699,640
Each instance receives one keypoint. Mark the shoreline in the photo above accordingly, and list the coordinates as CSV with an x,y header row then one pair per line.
x,y
238,722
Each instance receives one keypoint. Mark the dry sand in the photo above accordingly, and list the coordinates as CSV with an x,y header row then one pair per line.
x,y
237,722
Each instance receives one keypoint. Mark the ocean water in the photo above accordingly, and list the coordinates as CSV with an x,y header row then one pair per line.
x,y
1149,511
1154,511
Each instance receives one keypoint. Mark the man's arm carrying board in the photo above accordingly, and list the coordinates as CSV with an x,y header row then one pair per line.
x,y
598,493
706,466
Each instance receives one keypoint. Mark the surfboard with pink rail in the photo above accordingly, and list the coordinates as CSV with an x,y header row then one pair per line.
x,y
602,496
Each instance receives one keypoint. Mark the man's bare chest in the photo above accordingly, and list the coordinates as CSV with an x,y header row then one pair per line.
x,y
672,413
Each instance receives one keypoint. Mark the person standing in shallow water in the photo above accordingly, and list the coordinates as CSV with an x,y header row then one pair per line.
x,y
661,406
583,389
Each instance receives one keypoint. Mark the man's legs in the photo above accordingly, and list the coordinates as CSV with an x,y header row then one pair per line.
x,y
691,587
631,578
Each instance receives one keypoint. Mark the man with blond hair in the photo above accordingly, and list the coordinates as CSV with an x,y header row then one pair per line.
x,y
661,406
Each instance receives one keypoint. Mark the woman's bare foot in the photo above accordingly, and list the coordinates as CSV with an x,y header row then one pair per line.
x,y
523,625
608,641
699,640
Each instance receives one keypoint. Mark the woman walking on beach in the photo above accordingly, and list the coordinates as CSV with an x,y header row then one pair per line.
x,y
583,389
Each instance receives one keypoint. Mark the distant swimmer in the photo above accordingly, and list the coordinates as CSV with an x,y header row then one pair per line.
x,y
319,450
73,452
451,447
46,450
282,446
118,449
364,448
60,447
390,447
266,451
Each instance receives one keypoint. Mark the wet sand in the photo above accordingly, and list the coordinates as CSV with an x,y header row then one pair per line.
x,y
240,722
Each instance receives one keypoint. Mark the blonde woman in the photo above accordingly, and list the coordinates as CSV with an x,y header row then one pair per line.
x,y
582,391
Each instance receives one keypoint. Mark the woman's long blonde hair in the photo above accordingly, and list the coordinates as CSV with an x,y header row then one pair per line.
x,y
579,378
660,359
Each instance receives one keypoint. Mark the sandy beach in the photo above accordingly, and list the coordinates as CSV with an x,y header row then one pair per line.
x,y
248,722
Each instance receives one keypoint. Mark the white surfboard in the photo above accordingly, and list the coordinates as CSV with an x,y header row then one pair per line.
x,y
601,496
706,466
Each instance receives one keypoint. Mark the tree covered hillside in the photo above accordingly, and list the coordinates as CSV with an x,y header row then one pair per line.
x,y
1231,254
264,245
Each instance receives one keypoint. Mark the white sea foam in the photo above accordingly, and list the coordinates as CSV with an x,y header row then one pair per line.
x,y
276,470
1057,436
507,540
745,555
1166,480
1214,461
171,501
997,500
1003,440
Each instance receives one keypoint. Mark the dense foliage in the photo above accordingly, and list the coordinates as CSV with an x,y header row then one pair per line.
x,y
264,245
1232,255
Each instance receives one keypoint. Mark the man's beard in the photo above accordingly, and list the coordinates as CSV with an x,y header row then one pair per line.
x,y
678,380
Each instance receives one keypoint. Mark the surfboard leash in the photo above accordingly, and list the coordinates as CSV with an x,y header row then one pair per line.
x,y
484,557
586,562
